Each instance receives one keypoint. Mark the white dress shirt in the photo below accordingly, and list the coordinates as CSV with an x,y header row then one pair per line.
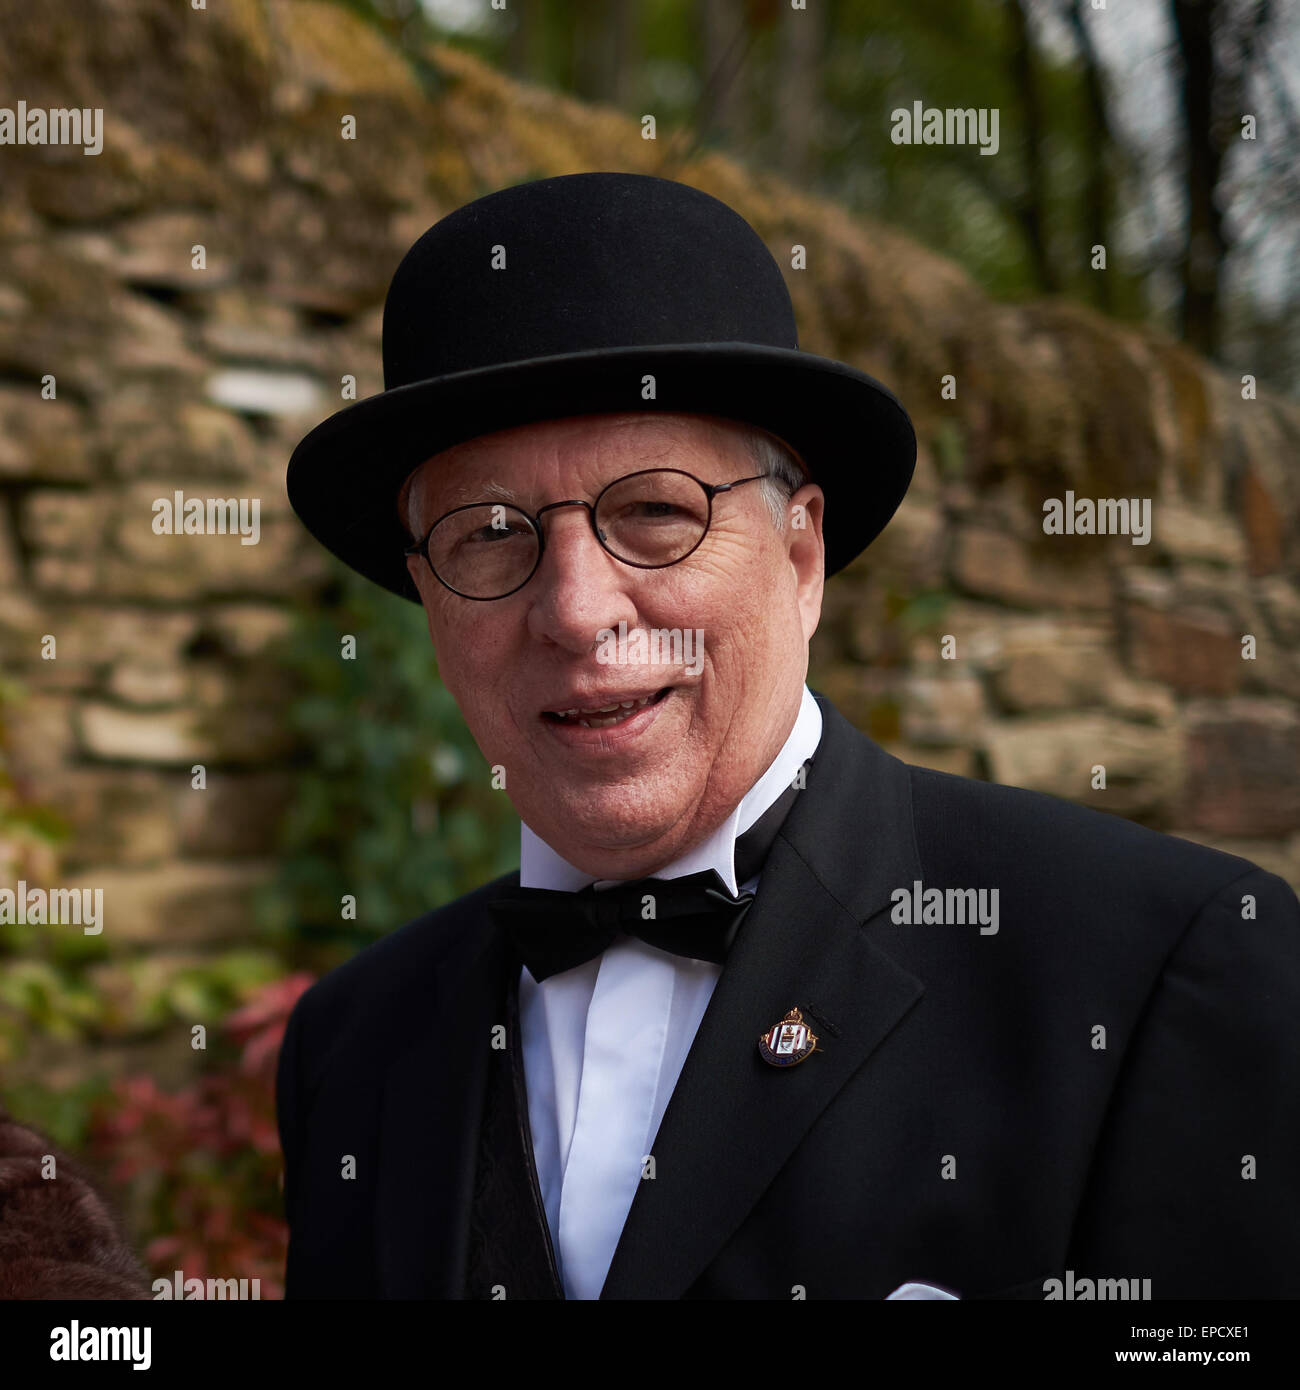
x,y
604,1043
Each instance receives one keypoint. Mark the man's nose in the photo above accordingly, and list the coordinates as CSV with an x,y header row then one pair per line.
x,y
579,584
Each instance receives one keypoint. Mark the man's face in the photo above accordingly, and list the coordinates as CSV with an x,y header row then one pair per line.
x,y
622,800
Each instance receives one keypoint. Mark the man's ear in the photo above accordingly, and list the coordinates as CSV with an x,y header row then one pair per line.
x,y
807,551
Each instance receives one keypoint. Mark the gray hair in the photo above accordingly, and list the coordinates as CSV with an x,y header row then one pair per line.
x,y
785,474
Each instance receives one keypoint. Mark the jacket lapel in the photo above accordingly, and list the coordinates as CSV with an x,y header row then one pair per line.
x,y
733,1120
430,1115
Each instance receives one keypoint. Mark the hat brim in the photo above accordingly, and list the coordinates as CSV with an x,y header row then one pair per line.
x,y
852,433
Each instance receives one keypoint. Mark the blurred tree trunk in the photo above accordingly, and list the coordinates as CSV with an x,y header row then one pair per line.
x,y
724,114
798,105
523,47
1204,242
1102,152
1031,206
602,33
625,50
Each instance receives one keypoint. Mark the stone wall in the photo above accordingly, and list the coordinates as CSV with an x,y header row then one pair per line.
x,y
222,130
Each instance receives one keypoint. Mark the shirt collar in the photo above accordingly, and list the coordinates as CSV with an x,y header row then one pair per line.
x,y
541,867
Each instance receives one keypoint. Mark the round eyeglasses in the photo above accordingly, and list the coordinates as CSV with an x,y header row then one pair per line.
x,y
650,519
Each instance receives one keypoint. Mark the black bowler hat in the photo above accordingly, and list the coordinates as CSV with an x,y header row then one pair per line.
x,y
558,298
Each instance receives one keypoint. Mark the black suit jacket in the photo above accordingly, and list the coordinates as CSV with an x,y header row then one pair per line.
x,y
960,1124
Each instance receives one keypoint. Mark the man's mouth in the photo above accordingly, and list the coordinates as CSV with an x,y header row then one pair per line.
x,y
605,716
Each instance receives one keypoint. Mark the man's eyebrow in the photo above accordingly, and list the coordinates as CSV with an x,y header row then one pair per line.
x,y
466,494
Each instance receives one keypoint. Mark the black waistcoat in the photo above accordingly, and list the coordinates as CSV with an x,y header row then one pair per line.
x,y
509,1241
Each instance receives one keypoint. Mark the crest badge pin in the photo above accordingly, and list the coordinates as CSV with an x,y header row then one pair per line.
x,y
787,1042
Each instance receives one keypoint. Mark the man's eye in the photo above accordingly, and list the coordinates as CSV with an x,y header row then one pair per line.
x,y
496,533
650,510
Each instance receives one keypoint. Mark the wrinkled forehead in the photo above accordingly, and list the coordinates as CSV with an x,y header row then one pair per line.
x,y
582,449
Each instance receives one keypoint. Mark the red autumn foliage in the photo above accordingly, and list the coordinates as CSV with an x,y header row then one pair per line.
x,y
202,1167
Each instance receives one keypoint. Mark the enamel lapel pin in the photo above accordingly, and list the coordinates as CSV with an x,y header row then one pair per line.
x,y
787,1042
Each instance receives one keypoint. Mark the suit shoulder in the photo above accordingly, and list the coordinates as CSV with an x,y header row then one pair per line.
x,y
961,818
381,971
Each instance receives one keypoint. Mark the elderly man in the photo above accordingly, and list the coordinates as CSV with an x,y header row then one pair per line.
x,y
766,1013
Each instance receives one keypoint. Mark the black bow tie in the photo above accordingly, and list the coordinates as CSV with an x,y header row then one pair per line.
x,y
695,916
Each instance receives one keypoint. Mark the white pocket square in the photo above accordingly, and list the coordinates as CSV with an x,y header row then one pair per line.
x,y
921,1291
